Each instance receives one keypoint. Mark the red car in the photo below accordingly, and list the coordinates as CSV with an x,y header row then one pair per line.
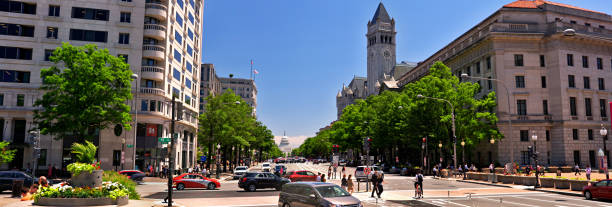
x,y
301,175
601,189
192,180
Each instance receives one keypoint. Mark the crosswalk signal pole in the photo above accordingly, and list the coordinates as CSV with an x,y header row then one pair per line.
x,y
171,151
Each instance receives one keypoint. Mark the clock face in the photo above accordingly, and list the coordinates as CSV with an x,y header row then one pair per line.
x,y
387,53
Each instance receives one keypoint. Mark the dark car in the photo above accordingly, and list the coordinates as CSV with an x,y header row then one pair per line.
x,y
601,189
7,178
135,175
316,194
252,181
277,169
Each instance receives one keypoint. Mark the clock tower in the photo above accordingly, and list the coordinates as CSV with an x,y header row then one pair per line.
x,y
381,48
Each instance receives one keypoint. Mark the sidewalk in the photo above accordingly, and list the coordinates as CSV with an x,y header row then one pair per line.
x,y
499,184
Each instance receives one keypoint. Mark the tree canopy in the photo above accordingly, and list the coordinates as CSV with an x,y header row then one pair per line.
x,y
86,90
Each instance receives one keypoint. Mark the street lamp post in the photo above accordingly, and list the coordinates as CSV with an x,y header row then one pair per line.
x,y
462,151
453,127
135,77
465,75
534,138
218,160
440,147
604,133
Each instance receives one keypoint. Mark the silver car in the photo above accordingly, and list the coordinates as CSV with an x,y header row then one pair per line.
x,y
315,194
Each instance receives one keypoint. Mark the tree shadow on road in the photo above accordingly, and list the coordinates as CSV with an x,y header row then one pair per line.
x,y
212,194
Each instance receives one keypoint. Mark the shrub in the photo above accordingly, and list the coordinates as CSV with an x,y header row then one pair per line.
x,y
85,153
130,185
77,167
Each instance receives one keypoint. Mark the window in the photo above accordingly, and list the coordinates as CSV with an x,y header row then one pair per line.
x,y
587,82
16,30
179,19
542,61
20,99
152,105
545,107
17,7
178,37
601,83
48,54
188,66
478,67
525,159
521,107
124,56
188,83
54,11
524,135
180,3
587,24
1,99
573,106
12,76
585,62
602,108
15,53
575,134
577,157
548,135
187,100
587,106
570,60
543,79
190,17
570,81
124,38
144,105
592,160
42,159
52,32
189,50
192,3
590,134
116,156
572,22
126,0
126,17
91,14
518,60
88,35
176,74
490,83
190,34
599,64
488,63
177,55
520,81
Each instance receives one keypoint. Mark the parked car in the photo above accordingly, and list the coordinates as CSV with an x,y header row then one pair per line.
x,y
265,167
315,194
277,169
601,189
252,181
301,175
239,171
193,180
7,178
360,172
135,175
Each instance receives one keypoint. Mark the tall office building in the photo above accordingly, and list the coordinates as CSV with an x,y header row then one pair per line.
x,y
160,39
556,63
211,84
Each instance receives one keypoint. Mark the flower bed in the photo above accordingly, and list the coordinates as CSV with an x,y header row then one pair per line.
x,y
547,182
578,185
82,201
499,170
64,193
561,183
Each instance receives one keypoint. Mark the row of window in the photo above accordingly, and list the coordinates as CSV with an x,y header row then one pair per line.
x,y
16,30
586,82
524,134
518,61
54,11
521,107
13,76
20,100
15,53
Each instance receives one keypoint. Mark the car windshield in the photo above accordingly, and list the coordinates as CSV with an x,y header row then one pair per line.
x,y
331,191
359,169
266,165
241,168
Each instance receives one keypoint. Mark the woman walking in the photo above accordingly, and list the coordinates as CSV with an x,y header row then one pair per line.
x,y
344,183
349,182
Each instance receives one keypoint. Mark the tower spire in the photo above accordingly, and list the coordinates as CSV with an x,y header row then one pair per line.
x,y
381,14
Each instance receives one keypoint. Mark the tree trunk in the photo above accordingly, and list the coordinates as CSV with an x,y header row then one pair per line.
x,y
224,159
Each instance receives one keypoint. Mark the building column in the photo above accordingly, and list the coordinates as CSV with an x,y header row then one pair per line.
x,y
8,129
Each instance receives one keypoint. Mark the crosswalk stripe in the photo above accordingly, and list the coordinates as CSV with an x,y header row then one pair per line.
x,y
535,199
515,203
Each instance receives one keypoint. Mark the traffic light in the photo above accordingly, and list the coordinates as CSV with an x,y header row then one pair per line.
x,y
424,139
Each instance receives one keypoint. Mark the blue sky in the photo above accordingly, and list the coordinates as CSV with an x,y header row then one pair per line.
x,y
305,49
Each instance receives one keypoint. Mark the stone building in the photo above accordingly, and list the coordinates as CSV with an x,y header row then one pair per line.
x,y
555,61
160,39
357,89
213,85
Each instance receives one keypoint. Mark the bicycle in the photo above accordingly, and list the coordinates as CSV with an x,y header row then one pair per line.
x,y
418,191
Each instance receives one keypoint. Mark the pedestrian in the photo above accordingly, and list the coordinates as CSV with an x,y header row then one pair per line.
x,y
335,170
588,172
42,182
435,171
418,183
349,183
374,184
577,170
329,170
319,177
492,168
204,172
323,178
344,183
379,187
343,170
49,171
460,170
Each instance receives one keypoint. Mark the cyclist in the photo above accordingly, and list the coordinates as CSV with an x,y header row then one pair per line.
x,y
418,185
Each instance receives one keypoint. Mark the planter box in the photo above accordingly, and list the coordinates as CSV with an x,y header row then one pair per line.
x,y
528,180
547,182
86,179
506,179
566,169
81,201
553,169
517,180
492,178
578,185
499,170
561,183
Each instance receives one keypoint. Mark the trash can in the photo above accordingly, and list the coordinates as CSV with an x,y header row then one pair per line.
x,y
17,186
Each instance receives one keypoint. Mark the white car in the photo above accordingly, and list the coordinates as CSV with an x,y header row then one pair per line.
x,y
360,173
239,171
266,167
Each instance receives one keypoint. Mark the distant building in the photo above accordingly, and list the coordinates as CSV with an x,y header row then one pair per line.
x,y
284,144
211,84
556,62
348,95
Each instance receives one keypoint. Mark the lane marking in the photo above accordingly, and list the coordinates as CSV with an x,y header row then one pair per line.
x,y
510,202
444,203
535,199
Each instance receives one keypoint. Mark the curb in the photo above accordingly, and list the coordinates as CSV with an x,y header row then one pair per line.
x,y
541,190
489,184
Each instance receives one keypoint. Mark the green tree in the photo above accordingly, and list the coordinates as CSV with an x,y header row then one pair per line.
x,y
86,90
6,155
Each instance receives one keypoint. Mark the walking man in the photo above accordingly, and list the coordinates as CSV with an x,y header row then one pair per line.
x,y
588,172
374,184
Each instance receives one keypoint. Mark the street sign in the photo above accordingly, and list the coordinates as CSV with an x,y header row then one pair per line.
x,y
203,158
130,145
176,135
163,140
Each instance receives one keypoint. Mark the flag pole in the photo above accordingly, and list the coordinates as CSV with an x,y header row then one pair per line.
x,y
251,69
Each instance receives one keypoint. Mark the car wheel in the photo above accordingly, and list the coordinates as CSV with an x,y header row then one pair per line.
x,y
278,188
252,188
211,186
588,195
286,205
180,186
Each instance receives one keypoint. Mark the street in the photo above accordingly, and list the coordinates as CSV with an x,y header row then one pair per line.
x,y
398,191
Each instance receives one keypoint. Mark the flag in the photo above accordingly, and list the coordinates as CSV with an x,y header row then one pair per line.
x,y
255,71
251,62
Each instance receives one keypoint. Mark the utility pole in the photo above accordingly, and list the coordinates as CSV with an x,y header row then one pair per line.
x,y
171,151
